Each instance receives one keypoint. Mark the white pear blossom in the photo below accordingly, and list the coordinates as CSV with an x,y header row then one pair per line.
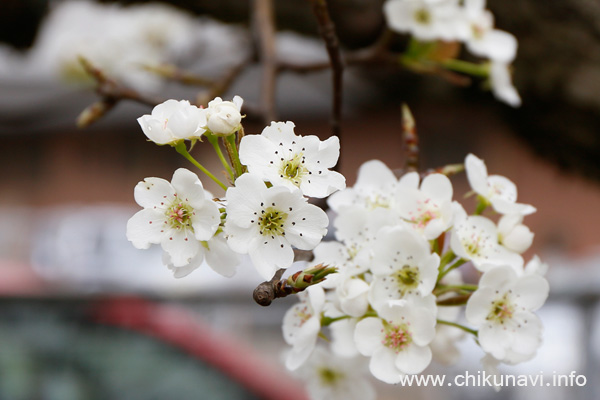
x,y
499,191
172,122
215,252
444,345
428,208
513,235
281,157
223,118
178,215
490,366
536,266
301,326
475,238
425,19
402,265
266,222
334,378
342,337
398,341
352,295
482,39
118,40
502,86
374,189
502,309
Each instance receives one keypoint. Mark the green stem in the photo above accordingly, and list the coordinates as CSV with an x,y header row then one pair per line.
x,y
214,140
454,288
465,67
482,204
446,258
459,326
231,147
435,245
326,321
456,264
181,149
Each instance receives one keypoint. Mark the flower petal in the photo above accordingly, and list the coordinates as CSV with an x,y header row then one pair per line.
x,y
145,228
413,359
153,193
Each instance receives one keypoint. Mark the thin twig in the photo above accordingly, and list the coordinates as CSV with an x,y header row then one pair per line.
x,y
411,140
110,92
276,288
327,32
264,28
221,85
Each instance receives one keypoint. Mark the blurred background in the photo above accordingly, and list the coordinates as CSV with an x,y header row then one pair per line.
x,y
84,315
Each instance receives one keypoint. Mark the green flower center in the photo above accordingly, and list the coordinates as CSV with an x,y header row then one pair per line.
x,y
397,337
377,201
271,222
502,309
294,169
330,377
423,16
179,215
408,278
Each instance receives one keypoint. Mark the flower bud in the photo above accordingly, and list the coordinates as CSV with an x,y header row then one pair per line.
x,y
224,117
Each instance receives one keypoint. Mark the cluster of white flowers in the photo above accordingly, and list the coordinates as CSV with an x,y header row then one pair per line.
x,y
397,292
466,21
265,214
393,290
174,121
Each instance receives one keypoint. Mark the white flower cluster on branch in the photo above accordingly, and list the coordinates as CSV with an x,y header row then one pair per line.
x,y
466,21
395,299
389,289
265,214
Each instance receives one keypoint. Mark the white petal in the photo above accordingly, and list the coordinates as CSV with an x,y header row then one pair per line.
x,y
531,291
329,152
519,239
153,192
221,258
181,245
368,335
271,254
206,220
145,228
478,305
188,187
383,366
306,227
240,239
476,174
437,186
342,335
496,45
413,359
183,271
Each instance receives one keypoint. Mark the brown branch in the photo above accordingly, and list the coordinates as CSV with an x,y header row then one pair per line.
x,y
264,29
110,92
266,292
221,85
329,36
174,73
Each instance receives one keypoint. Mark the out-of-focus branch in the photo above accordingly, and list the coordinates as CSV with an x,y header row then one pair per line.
x,y
327,31
264,31
411,140
174,73
221,85
110,92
